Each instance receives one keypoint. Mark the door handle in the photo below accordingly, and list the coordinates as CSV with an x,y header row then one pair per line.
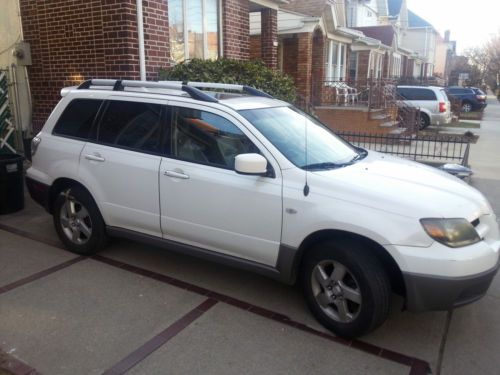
x,y
176,175
95,157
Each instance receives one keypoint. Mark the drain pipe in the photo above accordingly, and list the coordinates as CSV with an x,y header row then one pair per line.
x,y
140,33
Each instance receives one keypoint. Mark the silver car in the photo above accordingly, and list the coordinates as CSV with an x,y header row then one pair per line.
x,y
434,105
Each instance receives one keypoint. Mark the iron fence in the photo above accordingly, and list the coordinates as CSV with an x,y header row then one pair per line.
x,y
424,148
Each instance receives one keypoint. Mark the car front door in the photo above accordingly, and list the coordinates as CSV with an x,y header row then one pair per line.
x,y
121,164
204,202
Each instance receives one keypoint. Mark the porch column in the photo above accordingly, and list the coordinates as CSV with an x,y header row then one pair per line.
x,y
236,29
303,80
269,37
339,61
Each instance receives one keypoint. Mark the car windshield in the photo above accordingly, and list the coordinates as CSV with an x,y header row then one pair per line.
x,y
287,129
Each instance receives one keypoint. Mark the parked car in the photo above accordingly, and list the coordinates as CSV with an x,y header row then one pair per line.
x,y
228,176
473,98
434,105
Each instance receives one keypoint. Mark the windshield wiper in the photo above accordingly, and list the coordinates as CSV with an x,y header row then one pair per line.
x,y
320,166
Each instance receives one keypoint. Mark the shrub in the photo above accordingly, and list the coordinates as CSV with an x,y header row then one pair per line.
x,y
252,73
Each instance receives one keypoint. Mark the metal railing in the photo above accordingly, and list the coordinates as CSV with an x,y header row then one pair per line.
x,y
424,148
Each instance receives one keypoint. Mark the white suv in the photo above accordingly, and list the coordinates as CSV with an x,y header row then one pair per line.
x,y
237,177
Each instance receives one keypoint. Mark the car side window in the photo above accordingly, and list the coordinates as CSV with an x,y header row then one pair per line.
x,y
77,118
206,138
131,125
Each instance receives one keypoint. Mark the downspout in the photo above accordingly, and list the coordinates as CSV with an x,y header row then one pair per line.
x,y
140,34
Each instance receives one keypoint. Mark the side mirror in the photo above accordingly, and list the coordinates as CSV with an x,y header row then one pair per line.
x,y
251,164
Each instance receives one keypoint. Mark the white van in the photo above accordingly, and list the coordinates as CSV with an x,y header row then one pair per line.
x,y
434,105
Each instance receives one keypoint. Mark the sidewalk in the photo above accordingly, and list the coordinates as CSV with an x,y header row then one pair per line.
x,y
473,337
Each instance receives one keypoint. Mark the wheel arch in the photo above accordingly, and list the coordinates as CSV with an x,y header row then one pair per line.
x,y
59,185
390,266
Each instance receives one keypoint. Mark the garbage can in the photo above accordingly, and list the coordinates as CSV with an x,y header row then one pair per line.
x,y
11,183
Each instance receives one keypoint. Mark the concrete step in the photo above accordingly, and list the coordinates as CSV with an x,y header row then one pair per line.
x,y
388,124
397,131
381,116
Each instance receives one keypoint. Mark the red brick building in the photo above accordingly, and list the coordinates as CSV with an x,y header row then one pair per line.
x,y
74,40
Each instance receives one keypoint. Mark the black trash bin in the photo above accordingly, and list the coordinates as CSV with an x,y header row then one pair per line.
x,y
11,183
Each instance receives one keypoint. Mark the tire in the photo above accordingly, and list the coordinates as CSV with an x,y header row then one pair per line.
x,y
466,107
78,222
424,121
346,288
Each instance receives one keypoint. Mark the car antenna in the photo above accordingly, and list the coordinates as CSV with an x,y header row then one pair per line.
x,y
306,186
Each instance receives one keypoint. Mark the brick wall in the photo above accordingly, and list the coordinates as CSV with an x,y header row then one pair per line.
x,y
351,120
236,29
156,37
73,40
363,64
290,56
255,47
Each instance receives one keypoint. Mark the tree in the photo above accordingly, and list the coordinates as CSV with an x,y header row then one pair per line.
x,y
486,59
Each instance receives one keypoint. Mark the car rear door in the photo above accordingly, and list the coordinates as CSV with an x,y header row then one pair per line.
x,y
120,165
204,202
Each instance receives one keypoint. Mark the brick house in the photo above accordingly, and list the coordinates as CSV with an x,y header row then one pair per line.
x,y
74,40
313,45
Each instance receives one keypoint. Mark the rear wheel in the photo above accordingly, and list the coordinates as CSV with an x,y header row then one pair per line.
x,y
424,121
466,107
78,221
346,288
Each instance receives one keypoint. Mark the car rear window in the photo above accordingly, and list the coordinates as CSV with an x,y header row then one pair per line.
x,y
416,93
77,119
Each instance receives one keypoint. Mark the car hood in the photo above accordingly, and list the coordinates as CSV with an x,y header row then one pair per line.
x,y
402,187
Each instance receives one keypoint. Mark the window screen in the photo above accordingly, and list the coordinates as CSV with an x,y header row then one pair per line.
x,y
131,125
77,118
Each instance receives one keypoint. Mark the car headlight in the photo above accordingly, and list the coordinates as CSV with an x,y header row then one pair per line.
x,y
451,232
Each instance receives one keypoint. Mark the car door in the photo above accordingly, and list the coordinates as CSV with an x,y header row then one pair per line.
x,y
204,202
121,164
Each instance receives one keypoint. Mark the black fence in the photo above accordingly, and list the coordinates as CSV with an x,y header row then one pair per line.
x,y
432,149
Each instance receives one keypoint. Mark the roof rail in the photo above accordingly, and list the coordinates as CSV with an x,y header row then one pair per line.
x,y
223,86
120,85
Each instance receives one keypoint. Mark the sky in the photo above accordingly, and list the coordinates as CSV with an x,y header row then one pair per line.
x,y
471,22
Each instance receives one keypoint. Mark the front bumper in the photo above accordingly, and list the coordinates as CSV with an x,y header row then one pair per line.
x,y
424,292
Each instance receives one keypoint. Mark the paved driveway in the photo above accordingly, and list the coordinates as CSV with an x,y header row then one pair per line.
x,y
141,310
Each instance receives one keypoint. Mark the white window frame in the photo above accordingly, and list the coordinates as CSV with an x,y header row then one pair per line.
x,y
336,70
204,27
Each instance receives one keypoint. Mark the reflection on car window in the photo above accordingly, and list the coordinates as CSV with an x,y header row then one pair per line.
x,y
287,129
131,125
207,138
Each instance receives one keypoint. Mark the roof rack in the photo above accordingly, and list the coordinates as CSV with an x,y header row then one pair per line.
x,y
119,85
223,86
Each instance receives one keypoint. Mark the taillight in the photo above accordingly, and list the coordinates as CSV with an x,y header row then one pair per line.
x,y
34,144
442,107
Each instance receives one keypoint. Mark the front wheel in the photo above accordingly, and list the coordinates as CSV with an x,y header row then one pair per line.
x,y
78,221
346,288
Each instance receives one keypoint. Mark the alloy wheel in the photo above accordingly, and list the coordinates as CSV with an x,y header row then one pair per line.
x,y
336,291
75,221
